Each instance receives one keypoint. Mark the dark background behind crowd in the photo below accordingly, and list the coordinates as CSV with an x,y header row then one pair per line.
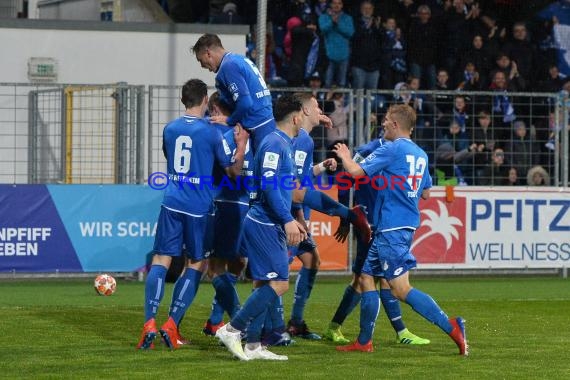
x,y
409,46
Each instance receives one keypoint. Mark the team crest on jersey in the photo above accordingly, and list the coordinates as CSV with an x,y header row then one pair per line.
x,y
270,160
441,235
300,157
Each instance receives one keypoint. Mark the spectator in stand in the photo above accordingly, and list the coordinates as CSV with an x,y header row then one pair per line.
x,y
523,149
554,82
304,49
478,54
521,51
443,102
229,15
496,173
422,38
460,112
483,136
366,53
537,176
339,131
471,80
394,67
455,34
487,27
516,82
502,104
337,29
513,178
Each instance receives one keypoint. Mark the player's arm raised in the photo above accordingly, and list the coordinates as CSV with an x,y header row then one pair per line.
x,y
240,138
342,152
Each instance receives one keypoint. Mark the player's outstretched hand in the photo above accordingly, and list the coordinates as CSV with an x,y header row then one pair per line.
x,y
295,233
330,164
342,231
342,151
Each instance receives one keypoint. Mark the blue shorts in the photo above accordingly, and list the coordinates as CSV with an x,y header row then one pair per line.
x,y
265,246
227,227
307,245
390,254
176,230
258,134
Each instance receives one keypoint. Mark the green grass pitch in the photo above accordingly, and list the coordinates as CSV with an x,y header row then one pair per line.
x,y
518,328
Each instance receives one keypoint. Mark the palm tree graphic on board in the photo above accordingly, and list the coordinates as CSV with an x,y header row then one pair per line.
x,y
440,224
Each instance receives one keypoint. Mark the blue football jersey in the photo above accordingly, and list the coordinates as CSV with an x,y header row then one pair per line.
x,y
365,194
404,169
230,190
237,78
274,174
192,147
303,146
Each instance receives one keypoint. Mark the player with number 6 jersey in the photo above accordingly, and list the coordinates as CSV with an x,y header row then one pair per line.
x,y
191,147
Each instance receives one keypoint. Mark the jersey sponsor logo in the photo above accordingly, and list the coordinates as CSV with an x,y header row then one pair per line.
x,y
370,157
300,157
271,275
269,174
441,235
270,160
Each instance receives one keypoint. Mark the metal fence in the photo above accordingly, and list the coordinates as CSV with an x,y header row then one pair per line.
x,y
71,133
98,133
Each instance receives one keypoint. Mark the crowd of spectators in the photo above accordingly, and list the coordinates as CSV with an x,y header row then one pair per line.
x,y
410,46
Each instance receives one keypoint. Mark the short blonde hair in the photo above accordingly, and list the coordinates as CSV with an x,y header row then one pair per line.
x,y
404,115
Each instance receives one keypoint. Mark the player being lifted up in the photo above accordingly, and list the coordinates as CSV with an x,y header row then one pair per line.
x,y
241,87
364,194
191,147
397,218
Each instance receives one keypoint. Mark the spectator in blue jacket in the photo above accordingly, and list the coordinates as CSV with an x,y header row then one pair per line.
x,y
337,28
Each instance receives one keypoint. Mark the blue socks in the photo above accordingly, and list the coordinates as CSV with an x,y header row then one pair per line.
x,y
350,299
226,298
184,292
369,308
425,306
154,290
303,288
257,303
392,308
321,202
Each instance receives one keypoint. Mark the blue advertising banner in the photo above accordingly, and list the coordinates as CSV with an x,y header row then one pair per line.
x,y
75,228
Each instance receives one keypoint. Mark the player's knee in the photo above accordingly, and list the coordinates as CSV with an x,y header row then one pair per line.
x,y
280,287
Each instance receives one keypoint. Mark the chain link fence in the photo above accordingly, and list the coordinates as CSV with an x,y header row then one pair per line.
x,y
71,133
98,133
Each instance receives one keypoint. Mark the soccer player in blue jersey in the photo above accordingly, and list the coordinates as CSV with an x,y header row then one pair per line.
x,y
365,195
240,85
267,230
403,167
191,146
306,251
232,203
